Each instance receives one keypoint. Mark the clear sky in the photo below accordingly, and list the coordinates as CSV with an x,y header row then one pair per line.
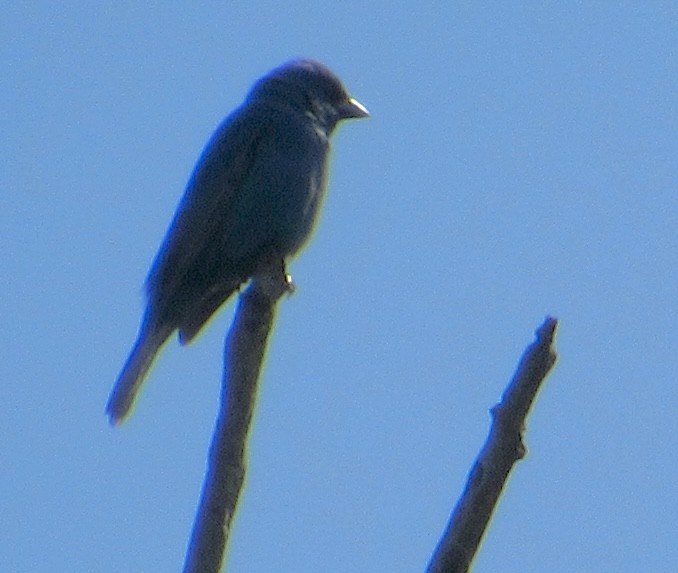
x,y
520,161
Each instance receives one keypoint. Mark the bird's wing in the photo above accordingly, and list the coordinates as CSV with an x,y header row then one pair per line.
x,y
206,209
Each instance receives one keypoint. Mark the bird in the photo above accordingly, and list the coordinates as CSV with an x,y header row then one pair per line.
x,y
253,197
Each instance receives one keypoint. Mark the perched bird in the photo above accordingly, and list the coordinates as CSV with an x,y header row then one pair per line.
x,y
252,198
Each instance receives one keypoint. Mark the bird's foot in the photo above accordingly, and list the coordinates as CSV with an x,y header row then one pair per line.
x,y
274,280
290,285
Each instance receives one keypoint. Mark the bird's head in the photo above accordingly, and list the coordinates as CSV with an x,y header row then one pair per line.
x,y
313,89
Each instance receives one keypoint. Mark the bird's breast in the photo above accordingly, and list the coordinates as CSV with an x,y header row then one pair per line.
x,y
300,195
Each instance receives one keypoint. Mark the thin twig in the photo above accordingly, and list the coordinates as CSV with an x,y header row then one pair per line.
x,y
503,448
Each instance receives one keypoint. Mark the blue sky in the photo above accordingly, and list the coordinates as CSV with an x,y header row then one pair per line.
x,y
520,161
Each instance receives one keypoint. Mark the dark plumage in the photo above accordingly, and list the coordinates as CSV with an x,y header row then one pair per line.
x,y
252,198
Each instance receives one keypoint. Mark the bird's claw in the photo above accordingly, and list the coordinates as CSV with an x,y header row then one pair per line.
x,y
290,285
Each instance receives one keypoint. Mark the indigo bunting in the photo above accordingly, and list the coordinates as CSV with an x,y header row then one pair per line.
x,y
252,198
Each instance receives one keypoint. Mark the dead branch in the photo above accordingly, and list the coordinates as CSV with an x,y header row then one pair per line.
x,y
244,352
503,448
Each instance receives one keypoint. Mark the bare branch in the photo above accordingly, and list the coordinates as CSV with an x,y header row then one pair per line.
x,y
243,355
503,448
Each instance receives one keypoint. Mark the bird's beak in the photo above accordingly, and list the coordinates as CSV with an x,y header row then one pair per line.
x,y
353,108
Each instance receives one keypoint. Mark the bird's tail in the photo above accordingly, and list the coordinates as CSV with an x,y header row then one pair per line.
x,y
133,373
